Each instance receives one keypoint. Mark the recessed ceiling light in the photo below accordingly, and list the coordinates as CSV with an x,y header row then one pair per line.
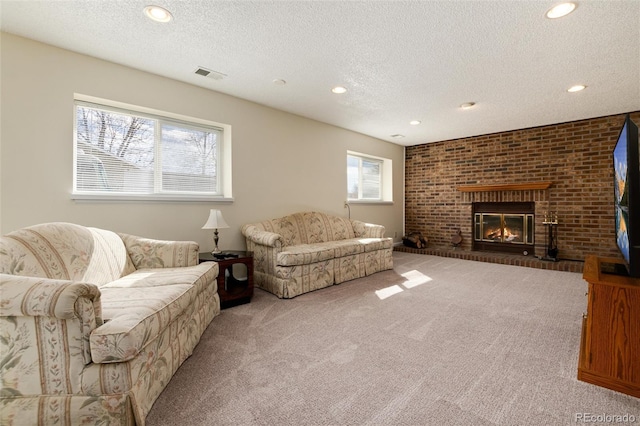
x,y
158,14
576,88
397,135
415,122
279,82
339,89
560,10
468,105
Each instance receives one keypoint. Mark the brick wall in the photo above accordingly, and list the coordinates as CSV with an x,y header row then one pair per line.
x,y
575,156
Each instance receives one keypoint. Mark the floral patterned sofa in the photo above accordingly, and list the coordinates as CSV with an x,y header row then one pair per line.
x,y
93,324
307,251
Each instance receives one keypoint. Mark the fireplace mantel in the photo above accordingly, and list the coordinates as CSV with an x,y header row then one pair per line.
x,y
528,186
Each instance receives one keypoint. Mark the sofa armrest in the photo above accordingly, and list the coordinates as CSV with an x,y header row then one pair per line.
x,y
56,316
35,296
260,237
367,230
150,253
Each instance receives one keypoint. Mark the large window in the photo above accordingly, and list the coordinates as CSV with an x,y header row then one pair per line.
x,y
368,178
133,153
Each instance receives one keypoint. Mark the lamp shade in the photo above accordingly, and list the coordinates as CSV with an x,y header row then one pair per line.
x,y
215,221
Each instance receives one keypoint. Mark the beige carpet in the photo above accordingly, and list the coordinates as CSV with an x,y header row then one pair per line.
x,y
436,341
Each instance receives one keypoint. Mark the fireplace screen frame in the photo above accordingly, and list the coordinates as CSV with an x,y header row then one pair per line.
x,y
527,220
524,210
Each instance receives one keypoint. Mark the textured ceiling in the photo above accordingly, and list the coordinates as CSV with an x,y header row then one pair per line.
x,y
400,60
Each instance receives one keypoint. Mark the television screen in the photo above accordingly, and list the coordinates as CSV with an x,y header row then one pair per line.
x,y
626,170
621,192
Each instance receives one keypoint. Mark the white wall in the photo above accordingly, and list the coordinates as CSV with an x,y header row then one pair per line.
x,y
282,163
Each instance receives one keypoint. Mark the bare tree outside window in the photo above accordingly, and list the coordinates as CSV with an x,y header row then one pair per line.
x,y
123,136
193,153
124,152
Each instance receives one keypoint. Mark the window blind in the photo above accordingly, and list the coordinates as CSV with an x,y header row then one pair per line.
x,y
125,152
364,178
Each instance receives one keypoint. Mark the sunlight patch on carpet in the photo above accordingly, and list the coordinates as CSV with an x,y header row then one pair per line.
x,y
388,291
415,278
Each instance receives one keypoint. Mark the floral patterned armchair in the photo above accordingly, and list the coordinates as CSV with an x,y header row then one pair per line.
x,y
94,324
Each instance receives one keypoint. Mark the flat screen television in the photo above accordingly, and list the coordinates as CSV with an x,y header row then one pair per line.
x,y
626,167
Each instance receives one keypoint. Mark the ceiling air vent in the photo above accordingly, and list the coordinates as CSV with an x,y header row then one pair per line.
x,y
210,74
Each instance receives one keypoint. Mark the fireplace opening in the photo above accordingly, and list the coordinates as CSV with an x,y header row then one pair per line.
x,y
507,227
504,228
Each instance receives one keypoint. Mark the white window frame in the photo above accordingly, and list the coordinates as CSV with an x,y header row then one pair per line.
x,y
224,167
386,180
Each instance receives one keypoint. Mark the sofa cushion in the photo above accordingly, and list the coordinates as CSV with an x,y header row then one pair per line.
x,y
65,251
150,253
135,316
345,247
155,277
338,228
374,244
304,254
136,308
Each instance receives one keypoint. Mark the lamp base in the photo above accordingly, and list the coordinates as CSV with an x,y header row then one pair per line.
x,y
216,250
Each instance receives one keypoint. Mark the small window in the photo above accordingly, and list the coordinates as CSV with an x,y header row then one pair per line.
x,y
122,153
368,178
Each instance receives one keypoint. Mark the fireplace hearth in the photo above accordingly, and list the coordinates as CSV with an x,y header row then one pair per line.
x,y
504,226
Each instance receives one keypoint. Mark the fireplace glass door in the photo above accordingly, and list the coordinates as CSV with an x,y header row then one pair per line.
x,y
503,228
491,227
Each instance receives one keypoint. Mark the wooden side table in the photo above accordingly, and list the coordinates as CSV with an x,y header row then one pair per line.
x,y
232,291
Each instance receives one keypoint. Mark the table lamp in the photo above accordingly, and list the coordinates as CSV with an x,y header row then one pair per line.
x,y
215,221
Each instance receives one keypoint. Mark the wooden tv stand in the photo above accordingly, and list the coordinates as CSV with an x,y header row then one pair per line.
x,y
610,343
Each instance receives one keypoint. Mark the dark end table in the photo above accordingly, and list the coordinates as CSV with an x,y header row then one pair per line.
x,y
232,290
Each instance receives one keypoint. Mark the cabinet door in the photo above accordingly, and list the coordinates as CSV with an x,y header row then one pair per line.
x,y
615,332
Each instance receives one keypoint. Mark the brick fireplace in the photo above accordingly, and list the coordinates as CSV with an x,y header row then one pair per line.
x,y
443,180
507,217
